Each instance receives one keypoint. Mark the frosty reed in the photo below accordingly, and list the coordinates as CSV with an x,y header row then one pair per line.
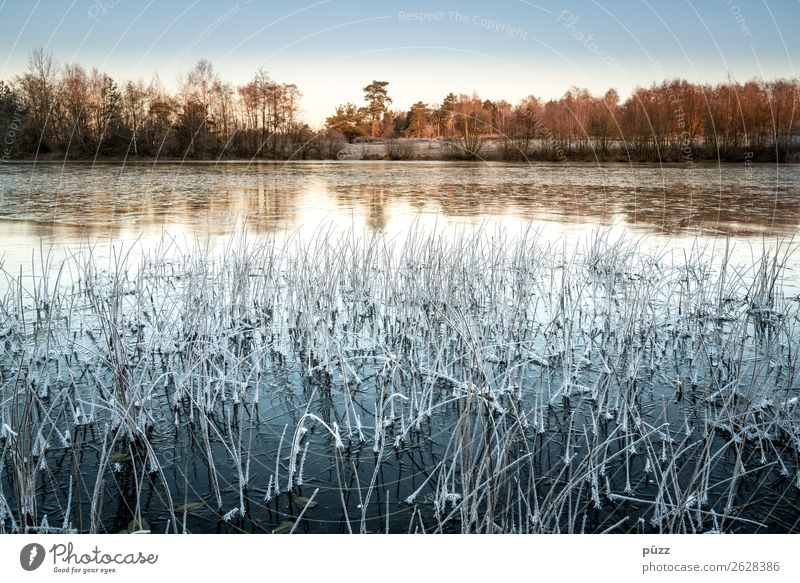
x,y
474,382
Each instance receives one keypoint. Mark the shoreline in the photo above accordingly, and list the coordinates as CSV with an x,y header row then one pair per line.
x,y
431,161
420,150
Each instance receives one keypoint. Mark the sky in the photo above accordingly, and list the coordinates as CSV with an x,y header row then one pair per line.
x,y
504,49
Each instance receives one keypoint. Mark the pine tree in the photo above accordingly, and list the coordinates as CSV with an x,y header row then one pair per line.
x,y
377,97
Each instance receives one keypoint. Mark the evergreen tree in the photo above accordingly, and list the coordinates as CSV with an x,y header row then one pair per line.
x,y
377,97
348,120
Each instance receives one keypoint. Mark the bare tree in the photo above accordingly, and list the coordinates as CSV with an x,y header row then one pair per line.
x,y
38,91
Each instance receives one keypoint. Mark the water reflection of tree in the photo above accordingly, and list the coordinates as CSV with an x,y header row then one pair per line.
x,y
212,199
370,200
272,206
707,209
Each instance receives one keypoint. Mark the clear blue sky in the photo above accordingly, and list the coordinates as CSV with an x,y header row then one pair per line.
x,y
331,48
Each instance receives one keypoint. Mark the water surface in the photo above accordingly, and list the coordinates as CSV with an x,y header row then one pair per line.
x,y
67,202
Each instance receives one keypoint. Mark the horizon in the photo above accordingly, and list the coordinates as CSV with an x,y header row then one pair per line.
x,y
331,49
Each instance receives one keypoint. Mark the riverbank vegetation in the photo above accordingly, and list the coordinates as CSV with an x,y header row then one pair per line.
x,y
63,111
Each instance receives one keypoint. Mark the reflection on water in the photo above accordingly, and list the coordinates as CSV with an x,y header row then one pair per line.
x,y
125,201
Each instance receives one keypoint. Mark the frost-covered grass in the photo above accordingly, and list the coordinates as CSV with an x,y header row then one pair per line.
x,y
480,383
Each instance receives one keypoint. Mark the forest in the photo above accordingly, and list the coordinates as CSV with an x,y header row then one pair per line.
x,y
62,111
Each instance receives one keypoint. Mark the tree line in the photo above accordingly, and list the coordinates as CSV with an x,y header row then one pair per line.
x,y
671,121
62,110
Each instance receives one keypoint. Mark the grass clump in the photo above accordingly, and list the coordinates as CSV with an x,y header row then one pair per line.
x,y
460,383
